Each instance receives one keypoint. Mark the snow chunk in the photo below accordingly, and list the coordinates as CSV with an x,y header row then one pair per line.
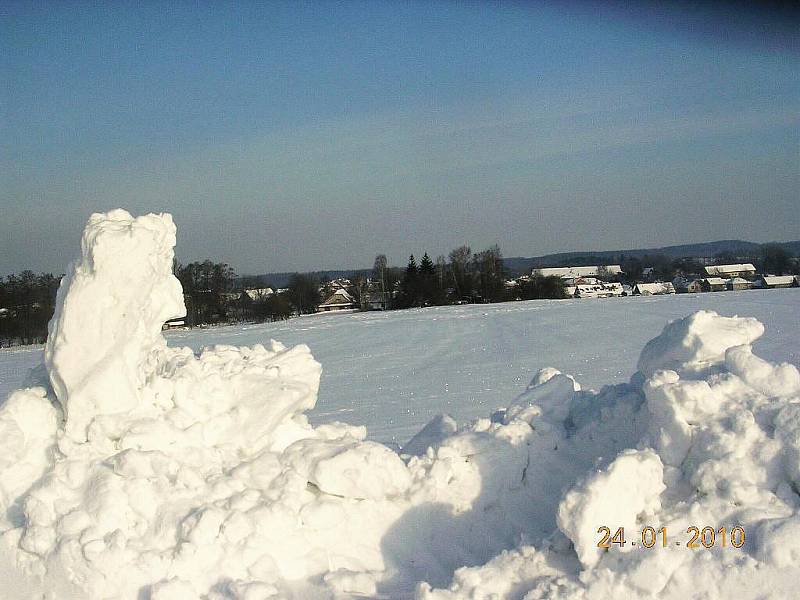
x,y
504,576
772,380
697,341
552,392
617,497
431,436
350,469
28,423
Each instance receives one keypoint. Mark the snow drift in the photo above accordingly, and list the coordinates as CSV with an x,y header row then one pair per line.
x,y
137,471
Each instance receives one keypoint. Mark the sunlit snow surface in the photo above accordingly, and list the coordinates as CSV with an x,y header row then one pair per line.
x,y
396,370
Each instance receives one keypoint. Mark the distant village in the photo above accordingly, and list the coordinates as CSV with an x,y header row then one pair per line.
x,y
597,281
593,281
213,294
606,281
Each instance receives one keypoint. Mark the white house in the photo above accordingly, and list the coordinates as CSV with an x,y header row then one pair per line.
x,y
577,272
712,284
653,289
738,270
685,286
776,281
338,300
737,283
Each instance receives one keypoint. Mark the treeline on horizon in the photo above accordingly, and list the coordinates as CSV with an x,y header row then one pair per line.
x,y
214,294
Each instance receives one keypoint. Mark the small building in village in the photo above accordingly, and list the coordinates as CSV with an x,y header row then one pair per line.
x,y
338,300
683,285
744,270
712,284
737,283
598,290
693,287
653,289
375,297
775,281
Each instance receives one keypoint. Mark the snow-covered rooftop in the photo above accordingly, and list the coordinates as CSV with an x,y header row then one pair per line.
x,y
715,280
654,288
779,279
733,268
340,296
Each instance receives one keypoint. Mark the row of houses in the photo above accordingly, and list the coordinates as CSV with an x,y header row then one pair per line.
x,y
718,284
588,281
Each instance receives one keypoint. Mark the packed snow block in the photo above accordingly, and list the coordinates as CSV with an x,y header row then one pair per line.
x,y
552,392
771,380
350,469
109,312
28,423
777,541
669,432
431,436
174,589
504,576
697,342
628,488
787,430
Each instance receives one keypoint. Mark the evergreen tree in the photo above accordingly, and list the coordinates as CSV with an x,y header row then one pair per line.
x,y
427,280
410,285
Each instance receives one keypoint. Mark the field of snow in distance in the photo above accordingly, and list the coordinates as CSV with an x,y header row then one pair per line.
x,y
393,371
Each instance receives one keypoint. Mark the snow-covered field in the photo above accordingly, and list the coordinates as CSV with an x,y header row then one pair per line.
x,y
394,371
130,469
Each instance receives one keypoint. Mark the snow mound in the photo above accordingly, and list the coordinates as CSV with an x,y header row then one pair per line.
x,y
697,341
634,480
139,471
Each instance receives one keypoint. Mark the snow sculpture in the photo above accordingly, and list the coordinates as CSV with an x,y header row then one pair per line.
x,y
105,337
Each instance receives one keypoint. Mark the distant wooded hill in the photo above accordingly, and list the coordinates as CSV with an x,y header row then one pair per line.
x,y
737,248
519,264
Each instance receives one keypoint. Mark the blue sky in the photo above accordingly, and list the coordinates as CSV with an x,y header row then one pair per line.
x,y
315,135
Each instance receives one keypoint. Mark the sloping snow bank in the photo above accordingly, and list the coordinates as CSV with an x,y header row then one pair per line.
x,y
139,471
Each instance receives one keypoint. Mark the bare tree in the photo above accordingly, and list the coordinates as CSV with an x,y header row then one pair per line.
x,y
360,291
459,267
379,272
490,274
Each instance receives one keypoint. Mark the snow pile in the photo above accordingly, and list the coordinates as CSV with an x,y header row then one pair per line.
x,y
706,434
140,471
